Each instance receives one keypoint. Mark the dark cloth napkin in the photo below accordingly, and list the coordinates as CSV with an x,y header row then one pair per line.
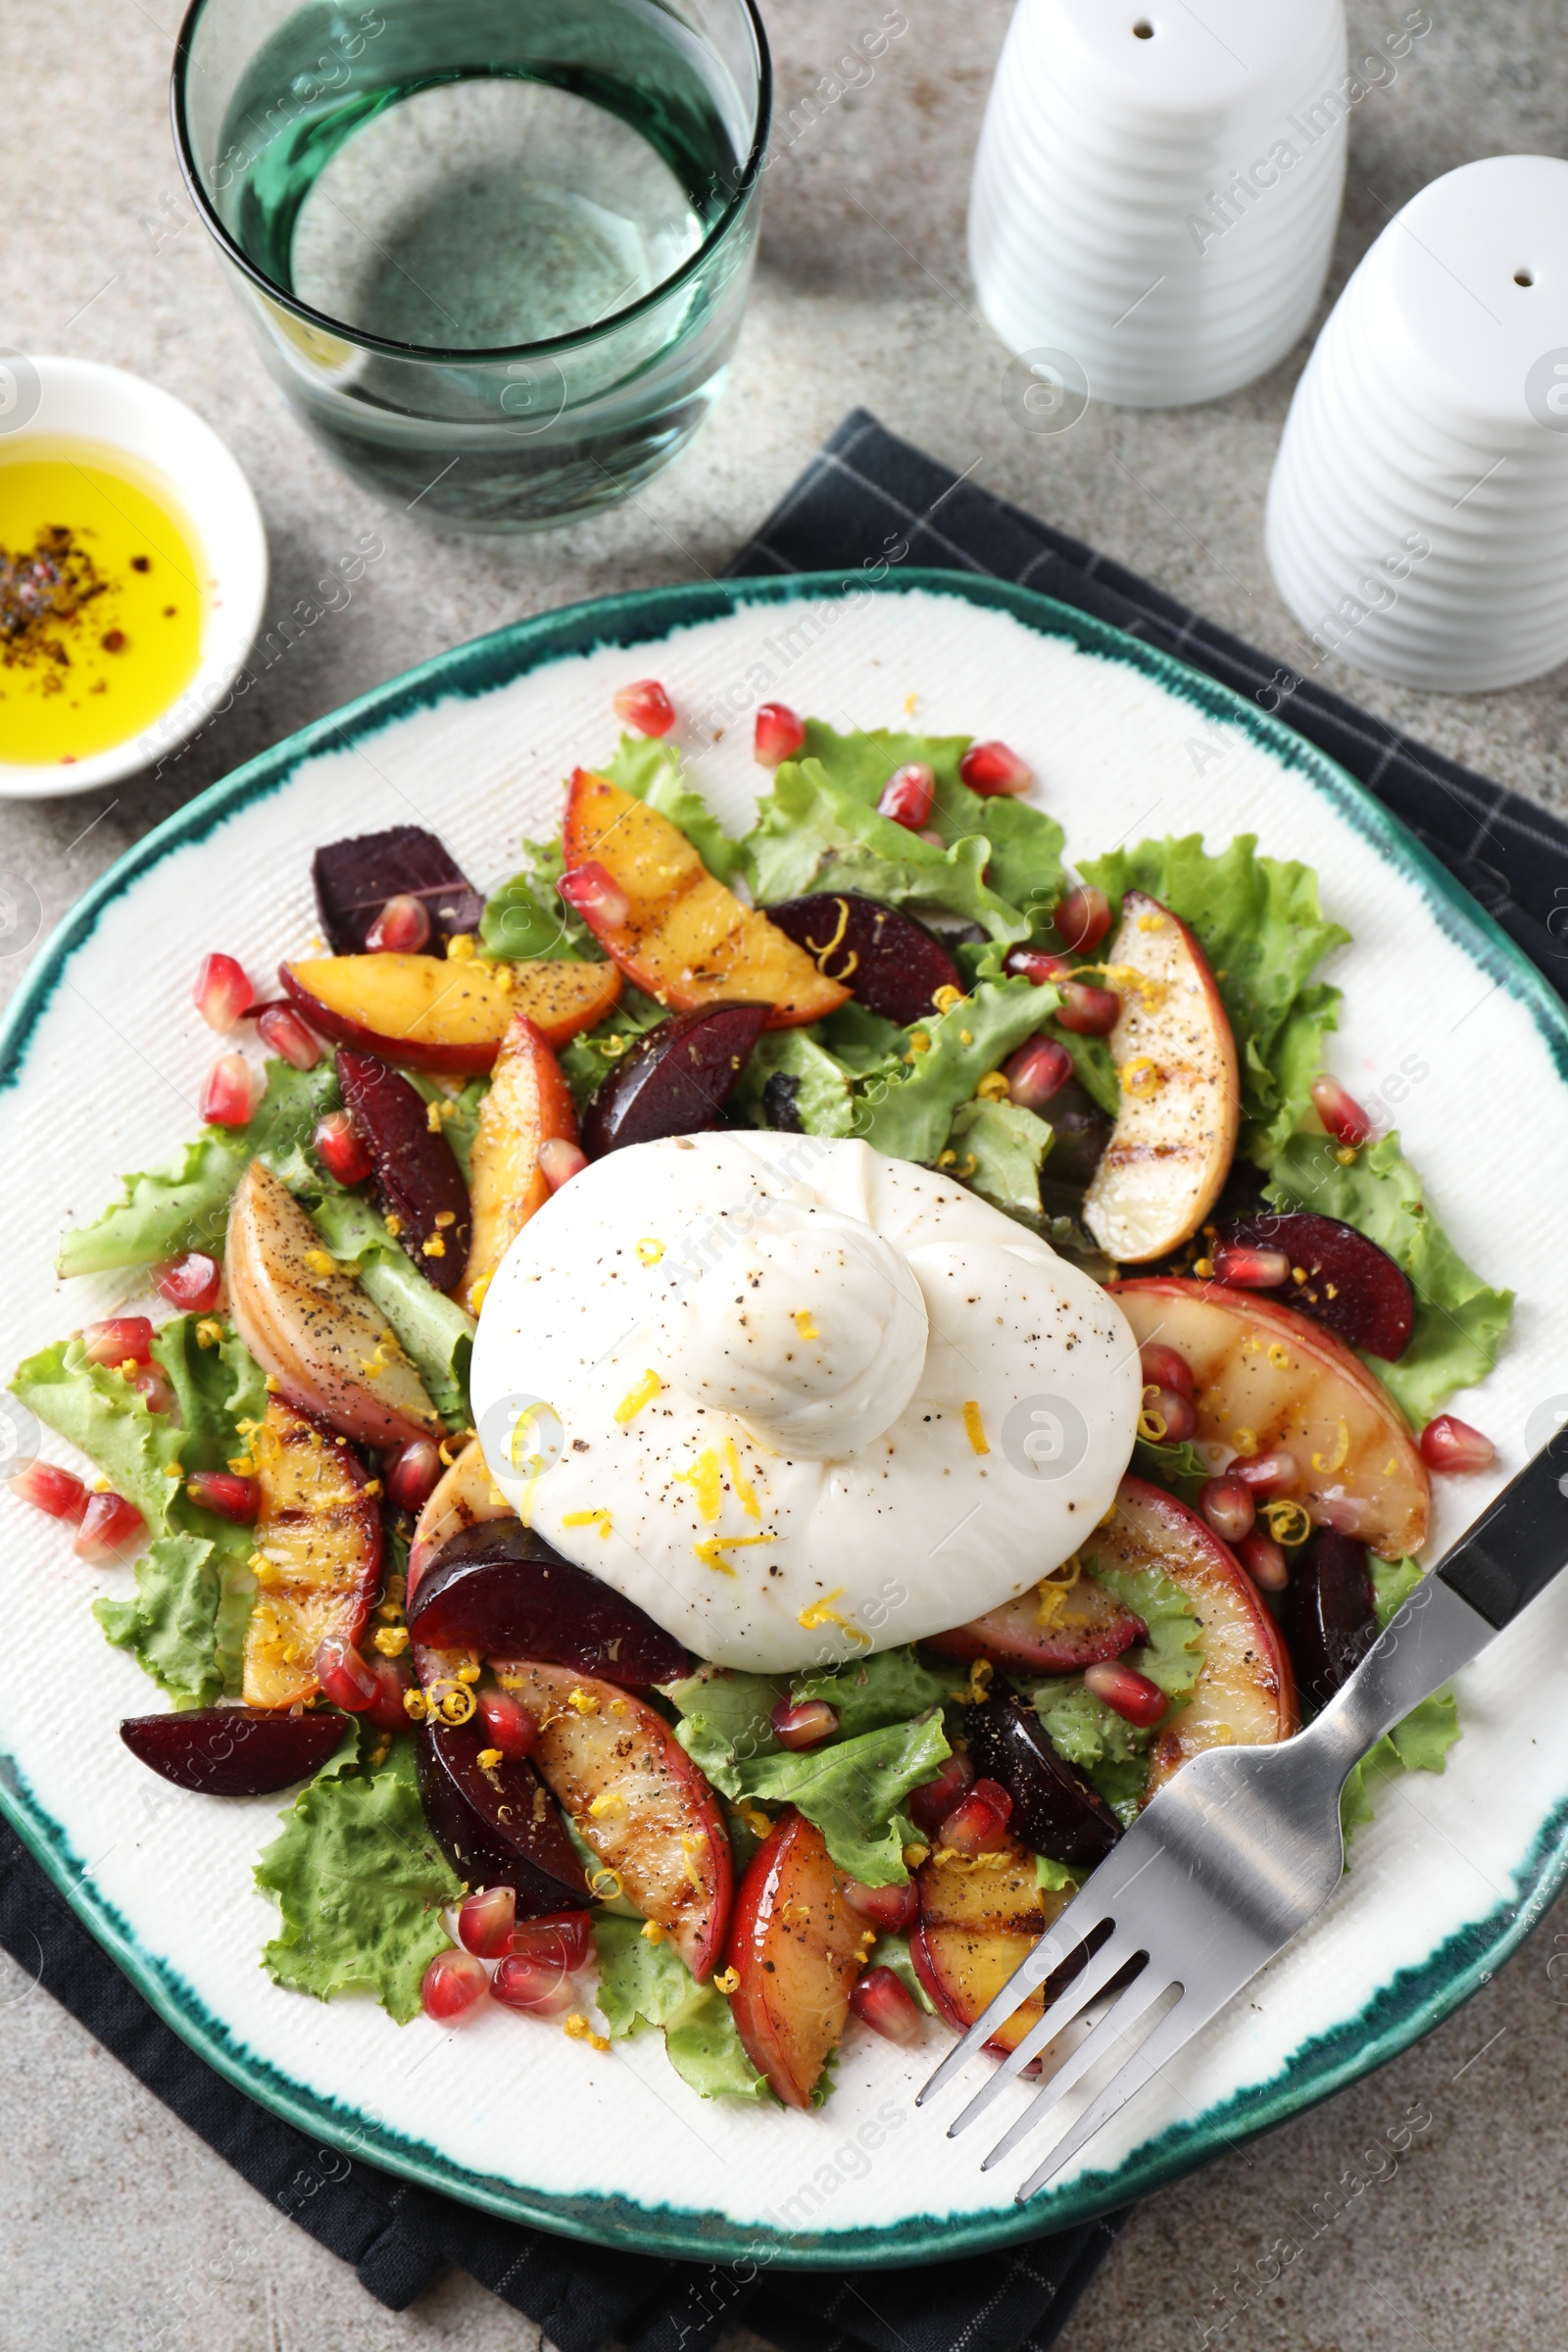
x,y
865,499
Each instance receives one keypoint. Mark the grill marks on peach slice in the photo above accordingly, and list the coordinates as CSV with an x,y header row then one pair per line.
x,y
634,1798
312,1327
686,939
1180,1106
977,1923
795,1947
316,1559
465,1495
528,1103
1267,1379
437,1013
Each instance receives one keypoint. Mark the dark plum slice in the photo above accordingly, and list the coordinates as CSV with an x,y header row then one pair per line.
x,y
1330,1618
888,962
676,1080
499,1589
497,1826
416,1172
1081,1131
1352,1288
1056,1810
234,1751
354,880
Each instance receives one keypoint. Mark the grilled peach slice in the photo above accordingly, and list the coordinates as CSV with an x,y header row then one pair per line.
x,y
465,1496
797,1947
528,1103
435,1014
317,1556
980,1917
671,926
1268,1379
633,1795
1181,1090
1054,1628
1246,1692
312,1327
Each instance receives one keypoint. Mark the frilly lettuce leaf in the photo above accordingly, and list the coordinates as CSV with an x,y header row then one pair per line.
x,y
170,1627
432,1330
526,920
1000,1150
852,1790
892,1686
893,1951
651,768
906,1102
792,1083
1460,1321
359,1881
1088,1732
643,1984
725,1721
593,1055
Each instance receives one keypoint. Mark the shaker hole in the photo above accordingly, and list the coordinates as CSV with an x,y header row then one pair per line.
x,y
1524,277
1143,31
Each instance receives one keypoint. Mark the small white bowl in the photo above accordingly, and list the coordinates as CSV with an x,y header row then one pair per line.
x,y
78,398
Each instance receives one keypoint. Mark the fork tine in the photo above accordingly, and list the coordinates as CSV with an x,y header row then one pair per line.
x,y
1089,1980
1137,1997
1192,2011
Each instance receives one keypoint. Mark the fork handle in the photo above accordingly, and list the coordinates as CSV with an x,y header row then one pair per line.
x,y
1516,1549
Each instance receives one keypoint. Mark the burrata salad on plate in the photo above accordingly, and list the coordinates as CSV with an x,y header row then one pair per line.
x,y
733,1408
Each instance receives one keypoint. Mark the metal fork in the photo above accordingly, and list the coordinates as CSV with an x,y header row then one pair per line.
x,y
1238,1850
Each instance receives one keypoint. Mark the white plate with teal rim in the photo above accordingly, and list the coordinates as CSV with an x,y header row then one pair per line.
x,y
103,1062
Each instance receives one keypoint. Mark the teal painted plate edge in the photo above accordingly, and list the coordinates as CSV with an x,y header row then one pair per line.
x,y
1416,1999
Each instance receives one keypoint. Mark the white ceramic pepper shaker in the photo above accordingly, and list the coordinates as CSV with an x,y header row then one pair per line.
x,y
1418,512
1158,189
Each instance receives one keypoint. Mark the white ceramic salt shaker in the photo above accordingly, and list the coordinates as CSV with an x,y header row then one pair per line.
x,y
1158,189
1417,517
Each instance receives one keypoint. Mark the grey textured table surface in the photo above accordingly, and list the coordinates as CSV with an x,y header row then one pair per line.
x,y
116,2227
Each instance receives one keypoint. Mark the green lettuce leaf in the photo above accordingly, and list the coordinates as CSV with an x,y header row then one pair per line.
x,y
460,1117
1393,1583
1083,1729
1055,1876
432,1330
528,920
594,1053
893,1951
650,769
892,1686
789,1082
1460,1321
1001,1149
359,1881
725,1721
905,1105
185,1205
643,1984
1419,1743
1101,1742
170,1627
1259,922
1181,1469
853,1790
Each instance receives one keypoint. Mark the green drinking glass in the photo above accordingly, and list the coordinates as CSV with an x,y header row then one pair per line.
x,y
496,252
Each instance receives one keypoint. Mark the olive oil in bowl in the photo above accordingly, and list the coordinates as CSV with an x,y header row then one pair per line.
x,y
102,600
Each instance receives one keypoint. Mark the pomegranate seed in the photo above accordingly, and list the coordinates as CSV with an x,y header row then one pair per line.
x,y
979,1824
485,1921
1087,1010
908,794
49,1489
223,995
347,1679
454,1985
805,1726
1083,918
281,1028
591,889
1176,1415
227,1494
559,1939
1037,1071
538,1987
226,1096
1125,1691
401,928
1033,964
122,1340
891,1908
151,1384
340,1149
1264,1561
930,1804
1265,1474
108,1522
386,1709
1227,1507
779,734
992,769
1166,1369
881,2000
1247,1269
509,1725
559,1161
191,1282
1341,1113
646,707
1447,1443
414,1474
